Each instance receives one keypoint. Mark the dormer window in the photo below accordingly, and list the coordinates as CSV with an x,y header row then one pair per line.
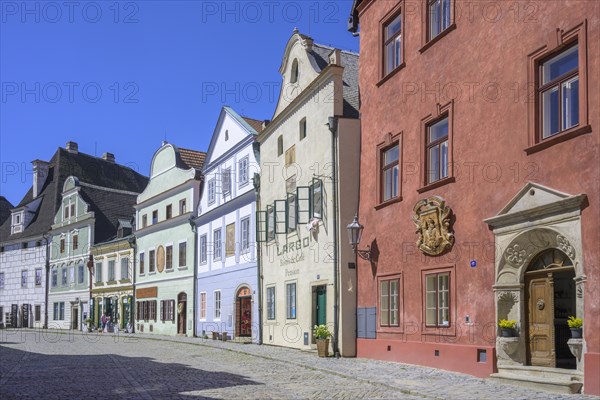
x,y
295,73
17,222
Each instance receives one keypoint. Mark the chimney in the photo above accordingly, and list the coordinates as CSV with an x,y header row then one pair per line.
x,y
110,157
265,123
335,57
72,147
40,173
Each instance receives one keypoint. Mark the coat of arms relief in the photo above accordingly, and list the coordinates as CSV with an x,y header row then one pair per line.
x,y
432,219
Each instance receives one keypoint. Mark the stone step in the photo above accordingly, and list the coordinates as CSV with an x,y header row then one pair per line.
x,y
542,372
550,384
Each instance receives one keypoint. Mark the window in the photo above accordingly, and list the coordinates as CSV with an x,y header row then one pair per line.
x,y
559,92
390,173
144,221
388,302
317,198
17,219
124,268
169,211
65,279
392,46
59,311
230,240
245,234
24,278
295,73
1,280
167,310
291,212
280,145
169,257
66,211
290,155
437,299
182,254
24,245
111,270
212,190
437,150
72,210
38,277
290,296
80,273
218,304
438,17
154,217
62,245
38,313
226,181
203,305
271,302
244,170
270,222
54,277
142,265
217,244
151,261
203,254
98,272
302,128
72,275
182,206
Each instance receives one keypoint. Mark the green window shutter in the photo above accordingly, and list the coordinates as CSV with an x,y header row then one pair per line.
x,y
291,212
303,210
317,198
270,222
280,216
261,226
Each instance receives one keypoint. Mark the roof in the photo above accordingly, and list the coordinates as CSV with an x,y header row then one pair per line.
x,y
350,77
353,20
254,123
88,169
191,158
5,207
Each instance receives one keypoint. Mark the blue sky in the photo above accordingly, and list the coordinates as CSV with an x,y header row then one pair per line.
x,y
119,76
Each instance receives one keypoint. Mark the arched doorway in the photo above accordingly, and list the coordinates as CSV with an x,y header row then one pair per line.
x,y
550,299
243,306
181,313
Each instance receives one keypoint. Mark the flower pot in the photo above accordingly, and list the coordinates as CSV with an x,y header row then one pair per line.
x,y
507,332
323,347
576,333
215,335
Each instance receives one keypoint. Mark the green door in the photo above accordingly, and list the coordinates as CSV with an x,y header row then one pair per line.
x,y
321,305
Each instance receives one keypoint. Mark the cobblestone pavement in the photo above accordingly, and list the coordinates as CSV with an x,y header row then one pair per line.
x,y
54,365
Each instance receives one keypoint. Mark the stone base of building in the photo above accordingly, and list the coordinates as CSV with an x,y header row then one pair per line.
x,y
591,373
469,359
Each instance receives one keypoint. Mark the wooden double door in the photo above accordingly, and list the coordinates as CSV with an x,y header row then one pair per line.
x,y
550,300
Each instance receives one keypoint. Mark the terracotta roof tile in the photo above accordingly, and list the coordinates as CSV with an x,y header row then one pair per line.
x,y
192,158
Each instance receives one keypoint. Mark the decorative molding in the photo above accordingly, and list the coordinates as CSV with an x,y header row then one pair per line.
x,y
564,244
432,219
516,256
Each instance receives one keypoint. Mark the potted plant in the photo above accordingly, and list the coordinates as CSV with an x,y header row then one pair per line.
x,y
575,325
507,327
322,336
89,324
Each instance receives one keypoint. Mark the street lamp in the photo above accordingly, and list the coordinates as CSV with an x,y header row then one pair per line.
x,y
355,230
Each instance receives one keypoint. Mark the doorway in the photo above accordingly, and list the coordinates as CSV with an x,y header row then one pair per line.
x,y
244,312
319,295
181,313
75,317
550,291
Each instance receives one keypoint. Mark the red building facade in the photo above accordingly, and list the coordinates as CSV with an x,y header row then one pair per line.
x,y
480,185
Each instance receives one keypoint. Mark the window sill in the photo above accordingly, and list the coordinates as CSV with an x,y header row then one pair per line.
x,y
182,268
437,38
99,284
167,270
558,138
111,282
436,184
125,281
388,202
441,330
390,329
391,74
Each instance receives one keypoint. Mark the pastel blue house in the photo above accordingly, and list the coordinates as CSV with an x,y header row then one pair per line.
x,y
227,286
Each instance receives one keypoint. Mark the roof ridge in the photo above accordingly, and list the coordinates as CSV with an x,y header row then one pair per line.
x,y
90,185
336,48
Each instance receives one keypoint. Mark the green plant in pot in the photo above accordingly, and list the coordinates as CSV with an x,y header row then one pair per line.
x,y
575,324
507,327
89,324
322,335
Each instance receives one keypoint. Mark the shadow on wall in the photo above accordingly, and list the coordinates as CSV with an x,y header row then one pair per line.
x,y
34,375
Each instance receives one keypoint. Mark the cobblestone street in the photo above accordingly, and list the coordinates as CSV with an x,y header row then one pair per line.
x,y
53,365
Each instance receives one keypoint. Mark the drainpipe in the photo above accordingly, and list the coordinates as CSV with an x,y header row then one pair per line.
x,y
133,244
256,183
46,237
194,305
333,127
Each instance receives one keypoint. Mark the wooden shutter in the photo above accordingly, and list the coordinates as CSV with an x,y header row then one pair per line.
x,y
173,310
162,310
303,204
280,216
317,198
261,226
292,205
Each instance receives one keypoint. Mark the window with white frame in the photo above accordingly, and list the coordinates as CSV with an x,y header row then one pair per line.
x,y
1,280
217,304
98,272
271,302
245,234
290,296
169,257
65,279
142,264
125,268
212,188
203,255
182,254
151,261
226,181
38,277
111,270
24,278
80,273
72,274
203,305
54,277
217,248
243,173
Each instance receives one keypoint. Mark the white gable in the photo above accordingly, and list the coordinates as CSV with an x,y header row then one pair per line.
x,y
229,132
532,196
